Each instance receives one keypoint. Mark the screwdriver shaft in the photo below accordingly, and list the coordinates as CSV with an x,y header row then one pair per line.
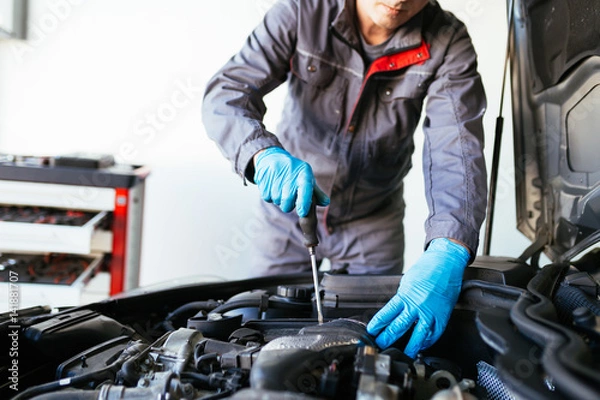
x,y
308,225
313,262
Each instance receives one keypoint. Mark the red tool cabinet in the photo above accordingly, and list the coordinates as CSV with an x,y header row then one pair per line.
x,y
84,212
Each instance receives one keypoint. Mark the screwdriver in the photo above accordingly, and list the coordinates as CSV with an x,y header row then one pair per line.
x,y
308,225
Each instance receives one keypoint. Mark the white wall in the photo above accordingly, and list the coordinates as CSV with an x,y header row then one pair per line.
x,y
126,77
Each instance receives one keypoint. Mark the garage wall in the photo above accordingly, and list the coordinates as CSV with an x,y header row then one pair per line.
x,y
126,77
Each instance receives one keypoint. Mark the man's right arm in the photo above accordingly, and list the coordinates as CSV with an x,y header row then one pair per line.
x,y
233,106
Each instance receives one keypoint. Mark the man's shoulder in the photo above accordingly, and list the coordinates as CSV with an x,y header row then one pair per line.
x,y
437,20
438,16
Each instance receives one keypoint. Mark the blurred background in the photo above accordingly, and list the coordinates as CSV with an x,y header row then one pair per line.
x,y
127,78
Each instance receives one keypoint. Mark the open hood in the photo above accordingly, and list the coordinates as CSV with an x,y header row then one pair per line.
x,y
555,64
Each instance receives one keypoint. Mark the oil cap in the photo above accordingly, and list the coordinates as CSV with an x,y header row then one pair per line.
x,y
295,292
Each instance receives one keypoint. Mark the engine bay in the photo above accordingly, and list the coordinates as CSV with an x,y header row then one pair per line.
x,y
515,332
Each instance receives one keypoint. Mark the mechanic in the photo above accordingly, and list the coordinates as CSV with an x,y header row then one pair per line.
x,y
358,73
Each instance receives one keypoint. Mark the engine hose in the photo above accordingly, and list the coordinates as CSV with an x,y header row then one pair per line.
x,y
129,372
234,305
568,298
510,291
197,379
61,384
193,306
107,373
69,395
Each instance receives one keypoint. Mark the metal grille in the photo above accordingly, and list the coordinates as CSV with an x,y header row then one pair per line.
x,y
487,378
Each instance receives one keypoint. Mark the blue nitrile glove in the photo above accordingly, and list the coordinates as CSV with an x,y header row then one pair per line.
x,y
286,181
427,294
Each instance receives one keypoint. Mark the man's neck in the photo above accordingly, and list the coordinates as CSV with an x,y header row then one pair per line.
x,y
377,22
371,33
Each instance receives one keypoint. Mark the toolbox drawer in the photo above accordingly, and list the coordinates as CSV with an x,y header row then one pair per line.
x,y
52,279
40,229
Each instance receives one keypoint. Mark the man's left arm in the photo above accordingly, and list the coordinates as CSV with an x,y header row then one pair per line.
x,y
456,190
453,162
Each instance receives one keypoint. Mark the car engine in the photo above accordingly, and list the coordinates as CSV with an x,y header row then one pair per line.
x,y
260,339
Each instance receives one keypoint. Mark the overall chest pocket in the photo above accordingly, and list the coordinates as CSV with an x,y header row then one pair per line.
x,y
320,92
400,100
312,70
407,86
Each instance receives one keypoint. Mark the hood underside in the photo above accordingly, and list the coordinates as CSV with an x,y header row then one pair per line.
x,y
555,64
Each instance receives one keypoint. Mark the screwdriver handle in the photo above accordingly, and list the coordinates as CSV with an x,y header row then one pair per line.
x,y
308,225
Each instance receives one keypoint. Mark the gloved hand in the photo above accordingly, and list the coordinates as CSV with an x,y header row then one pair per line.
x,y
286,181
427,294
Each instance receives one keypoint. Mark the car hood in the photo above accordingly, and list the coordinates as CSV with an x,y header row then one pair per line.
x,y
555,75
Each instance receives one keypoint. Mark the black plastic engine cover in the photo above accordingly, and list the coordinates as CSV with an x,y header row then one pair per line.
x,y
351,295
72,332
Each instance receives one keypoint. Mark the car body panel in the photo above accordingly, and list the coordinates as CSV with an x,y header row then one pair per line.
x,y
555,64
